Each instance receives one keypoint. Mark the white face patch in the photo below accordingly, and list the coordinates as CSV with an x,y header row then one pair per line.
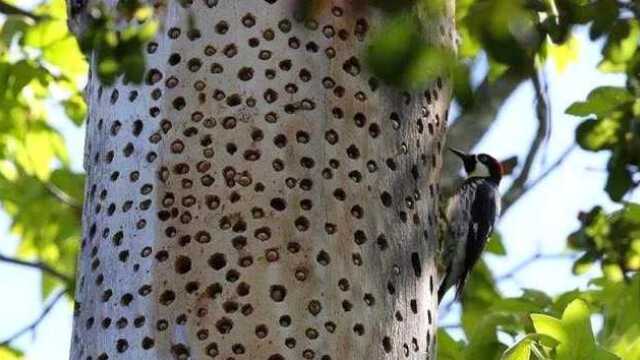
x,y
481,169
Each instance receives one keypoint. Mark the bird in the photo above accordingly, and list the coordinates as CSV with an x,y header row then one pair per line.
x,y
471,215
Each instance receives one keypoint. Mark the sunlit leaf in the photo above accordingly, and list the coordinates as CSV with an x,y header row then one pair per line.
x,y
621,45
575,340
564,54
66,56
520,351
9,353
597,135
45,33
584,263
613,272
549,326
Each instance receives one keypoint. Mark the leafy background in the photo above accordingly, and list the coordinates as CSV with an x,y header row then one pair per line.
x,y
560,280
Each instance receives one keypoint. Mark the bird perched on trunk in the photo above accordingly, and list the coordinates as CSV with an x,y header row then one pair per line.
x,y
471,216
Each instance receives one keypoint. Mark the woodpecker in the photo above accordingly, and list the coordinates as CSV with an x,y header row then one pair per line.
x,y
471,216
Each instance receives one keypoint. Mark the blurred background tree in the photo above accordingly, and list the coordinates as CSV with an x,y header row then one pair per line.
x,y
504,45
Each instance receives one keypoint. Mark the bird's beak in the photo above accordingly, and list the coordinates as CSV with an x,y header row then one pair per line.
x,y
459,153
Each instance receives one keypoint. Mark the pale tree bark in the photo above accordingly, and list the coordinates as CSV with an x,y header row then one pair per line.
x,y
262,196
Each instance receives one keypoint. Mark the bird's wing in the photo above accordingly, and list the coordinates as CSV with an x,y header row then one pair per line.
x,y
459,216
458,209
483,216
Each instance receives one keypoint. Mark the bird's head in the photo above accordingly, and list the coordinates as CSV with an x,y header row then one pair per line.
x,y
480,165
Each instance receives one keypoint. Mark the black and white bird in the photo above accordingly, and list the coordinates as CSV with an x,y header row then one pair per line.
x,y
471,215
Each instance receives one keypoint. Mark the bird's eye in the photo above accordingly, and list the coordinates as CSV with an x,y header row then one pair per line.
x,y
482,158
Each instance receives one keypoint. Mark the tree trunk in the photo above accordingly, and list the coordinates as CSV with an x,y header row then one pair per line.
x,y
261,196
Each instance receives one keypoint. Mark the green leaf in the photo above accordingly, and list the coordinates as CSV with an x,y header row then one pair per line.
x,y
613,272
40,148
575,340
76,109
580,343
595,135
515,305
601,101
520,351
549,326
427,65
12,27
10,353
495,245
45,33
448,348
538,297
496,70
66,56
565,54
622,43
391,50
469,45
605,13
620,180
584,263
620,303
70,183
626,344
506,30
480,293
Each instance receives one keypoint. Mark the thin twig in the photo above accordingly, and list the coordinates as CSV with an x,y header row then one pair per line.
x,y
62,196
450,326
553,166
472,124
447,307
527,262
515,196
32,327
37,265
8,9
543,116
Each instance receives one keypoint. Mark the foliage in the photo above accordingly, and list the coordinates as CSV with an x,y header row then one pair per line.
x,y
615,128
611,113
41,67
119,51
544,328
9,353
399,55
536,325
613,239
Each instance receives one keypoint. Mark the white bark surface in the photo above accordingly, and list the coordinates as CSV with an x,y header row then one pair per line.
x,y
261,196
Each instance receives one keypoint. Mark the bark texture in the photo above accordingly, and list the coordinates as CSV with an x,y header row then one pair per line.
x,y
261,196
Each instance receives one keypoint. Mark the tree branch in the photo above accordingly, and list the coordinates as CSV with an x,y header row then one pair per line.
x,y
31,327
9,9
469,128
527,262
450,326
39,266
62,196
543,115
507,202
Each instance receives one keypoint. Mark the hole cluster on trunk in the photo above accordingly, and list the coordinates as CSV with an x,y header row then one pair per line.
x,y
259,163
